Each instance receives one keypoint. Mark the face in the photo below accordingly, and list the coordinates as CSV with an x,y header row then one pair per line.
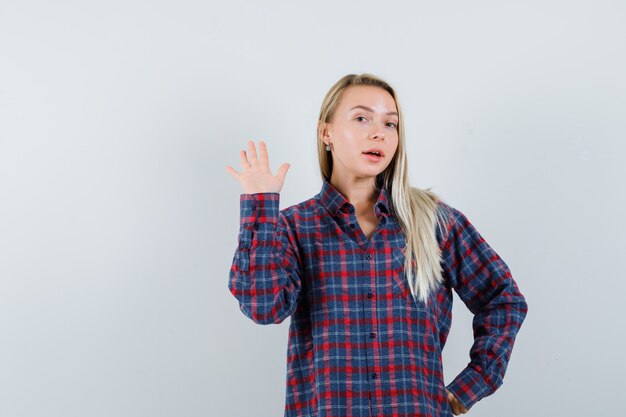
x,y
365,120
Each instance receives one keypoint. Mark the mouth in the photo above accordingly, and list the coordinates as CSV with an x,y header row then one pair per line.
x,y
374,155
375,151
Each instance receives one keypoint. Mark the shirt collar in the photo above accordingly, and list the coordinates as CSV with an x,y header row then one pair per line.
x,y
334,201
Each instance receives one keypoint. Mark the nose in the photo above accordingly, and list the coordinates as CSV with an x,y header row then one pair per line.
x,y
377,131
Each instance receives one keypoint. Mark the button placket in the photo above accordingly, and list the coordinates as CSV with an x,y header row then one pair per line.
x,y
349,210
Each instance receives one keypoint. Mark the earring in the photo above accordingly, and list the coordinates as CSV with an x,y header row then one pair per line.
x,y
328,147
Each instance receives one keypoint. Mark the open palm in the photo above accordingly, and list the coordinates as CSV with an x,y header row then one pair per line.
x,y
256,176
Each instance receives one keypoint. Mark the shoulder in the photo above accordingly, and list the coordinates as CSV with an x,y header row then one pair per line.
x,y
303,211
448,212
450,221
444,212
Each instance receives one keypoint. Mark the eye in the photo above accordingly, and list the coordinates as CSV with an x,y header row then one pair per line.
x,y
392,124
359,117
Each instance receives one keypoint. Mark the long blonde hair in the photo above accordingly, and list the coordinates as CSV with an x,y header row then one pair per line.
x,y
415,208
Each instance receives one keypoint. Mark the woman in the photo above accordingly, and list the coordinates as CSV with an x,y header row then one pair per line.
x,y
368,324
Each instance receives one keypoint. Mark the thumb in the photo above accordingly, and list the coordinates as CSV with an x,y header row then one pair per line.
x,y
282,171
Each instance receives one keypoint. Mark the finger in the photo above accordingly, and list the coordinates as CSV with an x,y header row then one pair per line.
x,y
252,153
282,171
244,159
460,408
232,172
453,403
450,396
263,157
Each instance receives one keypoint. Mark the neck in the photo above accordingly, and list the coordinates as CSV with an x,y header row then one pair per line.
x,y
360,192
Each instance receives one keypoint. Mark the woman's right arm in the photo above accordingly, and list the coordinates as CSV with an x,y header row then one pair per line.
x,y
265,273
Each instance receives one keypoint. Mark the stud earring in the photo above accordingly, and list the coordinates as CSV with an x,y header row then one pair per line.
x,y
328,147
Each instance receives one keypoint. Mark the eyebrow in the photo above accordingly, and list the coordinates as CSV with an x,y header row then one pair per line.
x,y
370,110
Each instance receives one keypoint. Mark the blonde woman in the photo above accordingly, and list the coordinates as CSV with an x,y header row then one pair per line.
x,y
366,268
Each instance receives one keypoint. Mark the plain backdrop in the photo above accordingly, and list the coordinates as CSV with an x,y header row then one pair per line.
x,y
119,222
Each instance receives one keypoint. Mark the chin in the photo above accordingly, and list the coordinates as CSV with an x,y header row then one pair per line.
x,y
370,174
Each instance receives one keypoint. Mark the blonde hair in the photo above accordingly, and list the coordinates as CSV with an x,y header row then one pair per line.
x,y
415,209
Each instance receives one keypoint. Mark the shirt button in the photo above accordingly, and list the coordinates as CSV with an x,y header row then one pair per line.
x,y
369,256
351,225
370,295
374,376
372,335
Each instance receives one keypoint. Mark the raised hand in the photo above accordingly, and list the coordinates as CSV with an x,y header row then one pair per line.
x,y
256,176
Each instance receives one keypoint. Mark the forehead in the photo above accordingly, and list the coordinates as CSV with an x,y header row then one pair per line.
x,y
376,98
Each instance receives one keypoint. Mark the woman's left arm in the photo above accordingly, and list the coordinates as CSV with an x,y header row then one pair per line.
x,y
484,282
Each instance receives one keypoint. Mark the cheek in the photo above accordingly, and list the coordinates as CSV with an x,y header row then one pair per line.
x,y
396,142
349,133
350,139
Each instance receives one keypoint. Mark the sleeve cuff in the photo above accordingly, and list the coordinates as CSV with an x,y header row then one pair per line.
x,y
259,207
258,214
469,387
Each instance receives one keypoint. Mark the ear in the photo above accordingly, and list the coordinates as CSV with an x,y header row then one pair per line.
x,y
323,128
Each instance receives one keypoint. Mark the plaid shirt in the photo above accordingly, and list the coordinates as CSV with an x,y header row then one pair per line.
x,y
359,343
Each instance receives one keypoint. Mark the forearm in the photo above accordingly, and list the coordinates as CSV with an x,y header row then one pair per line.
x,y
264,275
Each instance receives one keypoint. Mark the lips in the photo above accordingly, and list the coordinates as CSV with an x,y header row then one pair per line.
x,y
374,151
372,157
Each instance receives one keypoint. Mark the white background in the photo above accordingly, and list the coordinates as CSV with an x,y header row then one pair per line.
x,y
118,220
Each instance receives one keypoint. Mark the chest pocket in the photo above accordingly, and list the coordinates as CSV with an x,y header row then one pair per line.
x,y
403,298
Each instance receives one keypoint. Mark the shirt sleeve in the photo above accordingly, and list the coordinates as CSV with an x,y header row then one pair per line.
x,y
484,282
265,273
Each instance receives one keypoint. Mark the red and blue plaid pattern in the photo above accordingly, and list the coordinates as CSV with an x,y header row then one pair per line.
x,y
359,343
